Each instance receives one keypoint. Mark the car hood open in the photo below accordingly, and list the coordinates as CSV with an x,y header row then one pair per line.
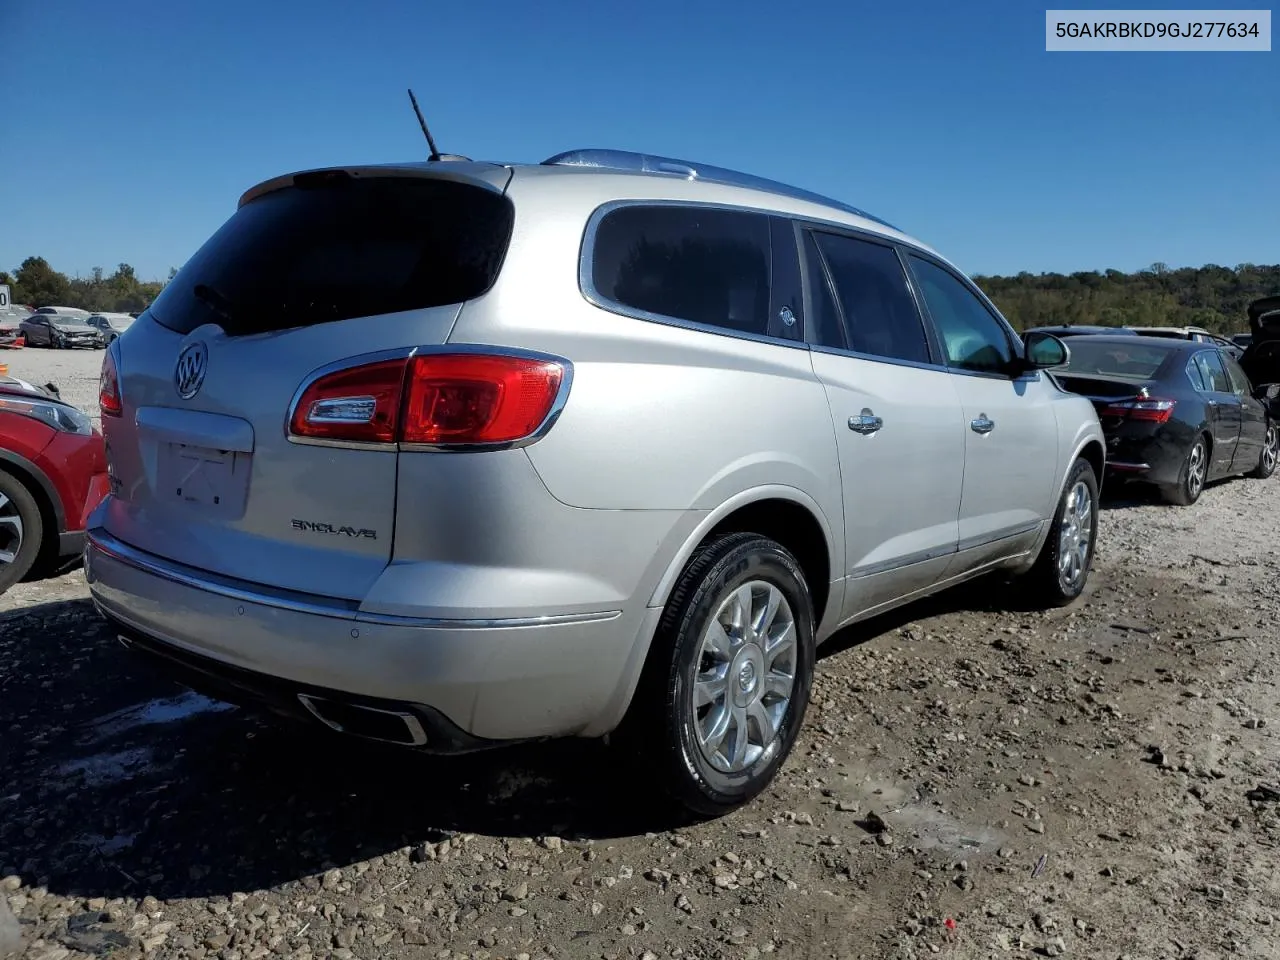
x,y
1261,359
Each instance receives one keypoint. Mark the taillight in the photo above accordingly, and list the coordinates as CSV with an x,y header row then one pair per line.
x,y
360,404
109,388
437,399
1151,409
478,398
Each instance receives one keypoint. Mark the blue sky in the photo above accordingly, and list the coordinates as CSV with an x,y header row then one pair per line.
x,y
131,128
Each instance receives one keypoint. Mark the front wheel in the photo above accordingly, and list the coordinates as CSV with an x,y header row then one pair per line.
x,y
1062,569
21,530
727,682
1270,455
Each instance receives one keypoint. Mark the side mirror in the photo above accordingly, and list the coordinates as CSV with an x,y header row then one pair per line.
x,y
1041,350
1266,392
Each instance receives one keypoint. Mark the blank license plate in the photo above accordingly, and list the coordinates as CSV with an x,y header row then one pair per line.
x,y
216,481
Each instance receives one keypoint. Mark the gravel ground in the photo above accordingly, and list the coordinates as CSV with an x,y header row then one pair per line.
x,y
974,780
74,372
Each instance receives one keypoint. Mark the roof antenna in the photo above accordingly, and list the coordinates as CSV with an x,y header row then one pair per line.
x,y
435,154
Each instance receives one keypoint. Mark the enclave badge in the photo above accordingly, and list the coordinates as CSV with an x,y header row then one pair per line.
x,y
312,526
188,374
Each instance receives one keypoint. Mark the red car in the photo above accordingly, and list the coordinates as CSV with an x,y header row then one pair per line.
x,y
53,472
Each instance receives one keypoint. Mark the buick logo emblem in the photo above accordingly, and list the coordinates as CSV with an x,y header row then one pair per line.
x,y
188,375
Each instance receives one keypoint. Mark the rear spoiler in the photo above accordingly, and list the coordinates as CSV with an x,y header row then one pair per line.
x,y
486,176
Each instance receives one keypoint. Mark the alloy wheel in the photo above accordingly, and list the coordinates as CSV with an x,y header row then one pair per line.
x,y
11,530
746,673
1196,469
1075,535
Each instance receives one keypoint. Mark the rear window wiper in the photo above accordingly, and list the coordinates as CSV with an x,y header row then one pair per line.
x,y
214,300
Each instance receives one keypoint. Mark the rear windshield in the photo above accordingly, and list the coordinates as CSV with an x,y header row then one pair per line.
x,y
339,248
1128,361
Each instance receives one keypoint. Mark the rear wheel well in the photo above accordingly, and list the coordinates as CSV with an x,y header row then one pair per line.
x,y
1096,458
796,529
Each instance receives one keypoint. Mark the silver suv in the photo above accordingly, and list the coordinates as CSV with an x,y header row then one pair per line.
x,y
453,454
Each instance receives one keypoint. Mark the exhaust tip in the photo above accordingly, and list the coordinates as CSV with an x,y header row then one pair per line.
x,y
371,723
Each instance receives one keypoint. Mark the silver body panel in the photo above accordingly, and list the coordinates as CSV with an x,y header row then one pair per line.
x,y
516,591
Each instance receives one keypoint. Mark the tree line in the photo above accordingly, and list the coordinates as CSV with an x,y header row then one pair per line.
x,y
1212,297
37,284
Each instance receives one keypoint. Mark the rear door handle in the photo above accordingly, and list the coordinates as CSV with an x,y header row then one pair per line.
x,y
865,423
983,424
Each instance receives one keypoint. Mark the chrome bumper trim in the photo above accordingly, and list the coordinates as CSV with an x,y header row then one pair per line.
x,y
99,539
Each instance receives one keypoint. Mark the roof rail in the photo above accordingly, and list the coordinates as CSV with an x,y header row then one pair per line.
x,y
631,162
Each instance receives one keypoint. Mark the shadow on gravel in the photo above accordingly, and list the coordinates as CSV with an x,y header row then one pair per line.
x,y
992,593
115,782
1127,494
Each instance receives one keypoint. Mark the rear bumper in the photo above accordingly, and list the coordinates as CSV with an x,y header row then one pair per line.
x,y
1155,459
464,681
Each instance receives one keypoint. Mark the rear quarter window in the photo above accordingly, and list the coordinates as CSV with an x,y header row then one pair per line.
x,y
697,264
340,248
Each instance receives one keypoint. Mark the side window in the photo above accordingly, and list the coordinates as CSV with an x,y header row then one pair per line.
x,y
1236,374
880,316
824,315
686,262
1213,372
1194,375
971,336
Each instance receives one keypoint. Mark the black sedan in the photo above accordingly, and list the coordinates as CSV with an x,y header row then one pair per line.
x,y
1176,413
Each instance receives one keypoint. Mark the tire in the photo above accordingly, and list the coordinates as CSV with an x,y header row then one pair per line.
x,y
1270,455
1191,478
664,727
1062,569
21,530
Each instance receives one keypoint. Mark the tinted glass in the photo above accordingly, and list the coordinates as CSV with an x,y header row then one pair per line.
x,y
1213,372
689,263
880,317
1236,374
335,249
1138,360
971,336
824,319
1194,375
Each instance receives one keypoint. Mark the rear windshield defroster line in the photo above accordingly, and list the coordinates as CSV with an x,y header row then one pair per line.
x,y
341,249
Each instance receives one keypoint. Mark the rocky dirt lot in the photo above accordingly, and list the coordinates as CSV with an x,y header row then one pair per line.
x,y
974,781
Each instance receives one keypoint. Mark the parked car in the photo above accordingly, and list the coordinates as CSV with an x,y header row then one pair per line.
x,y
1081,330
53,472
605,444
63,331
1261,360
1242,340
64,311
1176,413
111,325
11,325
1196,334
